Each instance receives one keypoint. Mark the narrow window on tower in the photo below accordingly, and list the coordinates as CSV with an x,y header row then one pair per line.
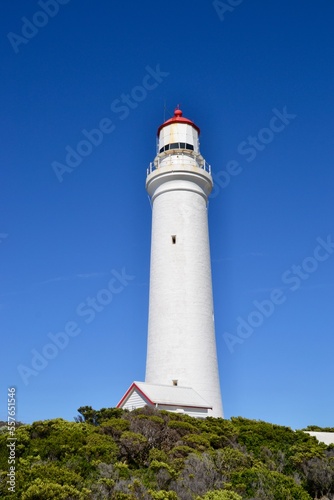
x,y
173,239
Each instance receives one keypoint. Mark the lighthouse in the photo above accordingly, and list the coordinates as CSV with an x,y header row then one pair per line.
x,y
181,366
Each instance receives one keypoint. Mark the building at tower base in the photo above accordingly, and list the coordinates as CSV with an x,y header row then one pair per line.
x,y
165,397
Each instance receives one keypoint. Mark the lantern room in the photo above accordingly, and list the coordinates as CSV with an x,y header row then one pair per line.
x,y
178,133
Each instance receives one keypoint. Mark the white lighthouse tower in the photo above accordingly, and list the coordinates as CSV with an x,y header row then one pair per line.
x,y
181,367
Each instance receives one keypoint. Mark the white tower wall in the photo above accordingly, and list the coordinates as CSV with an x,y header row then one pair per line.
x,y
181,334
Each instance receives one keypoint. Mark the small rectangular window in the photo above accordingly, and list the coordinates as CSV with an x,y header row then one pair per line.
x,y
173,239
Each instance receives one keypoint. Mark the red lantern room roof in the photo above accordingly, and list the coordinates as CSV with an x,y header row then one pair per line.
x,y
178,118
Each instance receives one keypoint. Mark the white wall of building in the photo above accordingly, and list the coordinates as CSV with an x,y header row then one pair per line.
x,y
323,437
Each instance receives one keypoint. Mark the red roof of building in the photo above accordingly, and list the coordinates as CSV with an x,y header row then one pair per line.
x,y
178,118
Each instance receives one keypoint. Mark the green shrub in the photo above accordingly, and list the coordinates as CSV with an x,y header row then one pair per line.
x,y
197,441
182,427
261,483
163,495
42,490
220,495
181,451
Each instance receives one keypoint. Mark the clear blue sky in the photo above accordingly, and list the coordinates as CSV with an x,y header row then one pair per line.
x,y
234,73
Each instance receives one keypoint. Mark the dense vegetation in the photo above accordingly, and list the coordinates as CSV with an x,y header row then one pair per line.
x,y
154,455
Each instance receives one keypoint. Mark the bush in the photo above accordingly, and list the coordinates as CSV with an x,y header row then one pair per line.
x,y
134,447
182,427
220,495
163,495
42,490
261,484
196,441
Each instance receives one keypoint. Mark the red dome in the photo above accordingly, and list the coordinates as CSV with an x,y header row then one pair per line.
x,y
178,118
